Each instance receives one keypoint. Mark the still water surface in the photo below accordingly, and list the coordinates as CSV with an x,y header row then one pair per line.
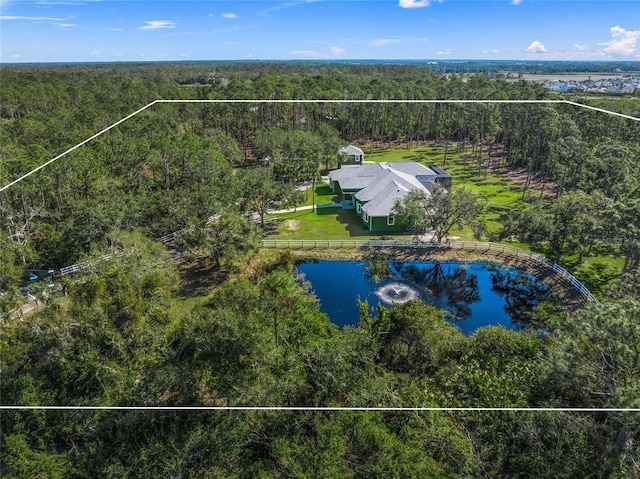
x,y
473,294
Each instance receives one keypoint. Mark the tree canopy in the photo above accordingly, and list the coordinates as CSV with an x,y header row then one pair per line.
x,y
439,210
133,328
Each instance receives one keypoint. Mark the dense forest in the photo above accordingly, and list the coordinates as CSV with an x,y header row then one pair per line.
x,y
125,333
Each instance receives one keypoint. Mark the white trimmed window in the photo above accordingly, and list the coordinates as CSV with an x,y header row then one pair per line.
x,y
358,207
391,220
366,217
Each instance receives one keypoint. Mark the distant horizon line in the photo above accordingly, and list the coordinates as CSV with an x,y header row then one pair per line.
x,y
326,60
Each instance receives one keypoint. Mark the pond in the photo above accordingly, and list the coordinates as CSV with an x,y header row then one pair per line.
x,y
472,294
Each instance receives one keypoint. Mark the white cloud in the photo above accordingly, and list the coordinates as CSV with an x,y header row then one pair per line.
x,y
65,25
337,50
156,24
516,2
384,41
31,19
304,53
623,43
229,15
414,3
495,50
211,15
536,47
579,48
446,51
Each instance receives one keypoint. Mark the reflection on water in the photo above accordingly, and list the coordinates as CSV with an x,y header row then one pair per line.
x,y
473,294
521,293
454,288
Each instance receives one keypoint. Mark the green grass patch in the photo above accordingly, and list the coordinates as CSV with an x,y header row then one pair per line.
x,y
323,223
598,270
324,195
182,306
426,154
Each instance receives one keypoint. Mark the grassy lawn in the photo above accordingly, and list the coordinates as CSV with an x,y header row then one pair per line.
x,y
597,271
324,195
323,223
426,154
501,194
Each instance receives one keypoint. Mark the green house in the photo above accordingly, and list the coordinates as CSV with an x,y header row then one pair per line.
x,y
350,155
373,189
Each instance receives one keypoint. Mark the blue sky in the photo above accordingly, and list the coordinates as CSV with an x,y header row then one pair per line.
x,y
120,30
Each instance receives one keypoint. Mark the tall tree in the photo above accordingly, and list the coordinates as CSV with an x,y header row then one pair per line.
x,y
233,236
597,361
622,220
10,274
439,211
260,190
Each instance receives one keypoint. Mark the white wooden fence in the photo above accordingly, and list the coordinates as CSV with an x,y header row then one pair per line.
x,y
74,268
458,245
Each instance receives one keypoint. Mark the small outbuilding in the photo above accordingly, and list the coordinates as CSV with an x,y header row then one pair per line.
x,y
350,155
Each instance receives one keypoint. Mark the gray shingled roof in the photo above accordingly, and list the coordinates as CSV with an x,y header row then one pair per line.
x,y
385,201
374,188
412,168
350,150
357,177
381,184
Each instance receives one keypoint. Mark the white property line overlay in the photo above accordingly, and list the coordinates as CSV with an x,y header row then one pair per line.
x,y
309,408
565,102
319,408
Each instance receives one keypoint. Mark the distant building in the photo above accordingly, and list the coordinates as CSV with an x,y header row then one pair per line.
x,y
563,87
557,86
608,85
